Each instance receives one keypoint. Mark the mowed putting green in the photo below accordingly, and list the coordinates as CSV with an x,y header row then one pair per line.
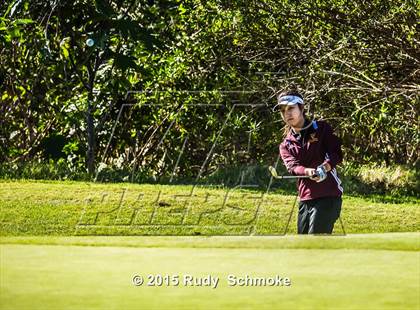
x,y
70,245
377,271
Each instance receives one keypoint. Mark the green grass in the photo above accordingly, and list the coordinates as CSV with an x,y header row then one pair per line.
x,y
394,241
67,245
70,273
78,208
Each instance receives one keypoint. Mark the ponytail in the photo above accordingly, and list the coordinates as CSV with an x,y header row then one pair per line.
x,y
286,130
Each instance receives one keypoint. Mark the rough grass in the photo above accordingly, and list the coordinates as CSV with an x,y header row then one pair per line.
x,y
78,208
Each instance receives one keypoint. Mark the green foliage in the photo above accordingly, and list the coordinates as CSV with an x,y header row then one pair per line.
x,y
381,179
46,169
356,63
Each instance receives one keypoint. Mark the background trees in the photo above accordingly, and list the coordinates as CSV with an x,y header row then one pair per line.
x,y
357,64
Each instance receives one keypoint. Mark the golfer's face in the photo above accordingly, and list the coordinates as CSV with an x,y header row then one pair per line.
x,y
291,114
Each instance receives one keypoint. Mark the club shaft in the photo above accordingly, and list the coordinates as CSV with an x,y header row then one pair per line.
x,y
293,177
274,174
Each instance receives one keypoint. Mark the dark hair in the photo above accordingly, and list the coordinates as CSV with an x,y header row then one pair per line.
x,y
291,92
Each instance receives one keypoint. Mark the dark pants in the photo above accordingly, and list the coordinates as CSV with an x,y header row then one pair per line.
x,y
317,216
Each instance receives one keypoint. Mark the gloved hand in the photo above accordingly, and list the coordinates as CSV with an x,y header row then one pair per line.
x,y
321,173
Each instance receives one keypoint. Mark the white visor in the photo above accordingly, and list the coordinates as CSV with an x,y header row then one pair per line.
x,y
288,100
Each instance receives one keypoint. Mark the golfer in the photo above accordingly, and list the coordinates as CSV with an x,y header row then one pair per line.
x,y
310,148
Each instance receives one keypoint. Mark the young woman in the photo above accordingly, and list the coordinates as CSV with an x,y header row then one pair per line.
x,y
310,148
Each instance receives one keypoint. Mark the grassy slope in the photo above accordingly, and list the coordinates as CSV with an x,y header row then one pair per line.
x,y
392,242
370,271
64,276
77,208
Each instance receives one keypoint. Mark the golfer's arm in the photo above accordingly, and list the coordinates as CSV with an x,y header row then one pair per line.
x,y
293,166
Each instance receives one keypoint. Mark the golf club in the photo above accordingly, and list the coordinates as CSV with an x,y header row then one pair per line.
x,y
276,176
